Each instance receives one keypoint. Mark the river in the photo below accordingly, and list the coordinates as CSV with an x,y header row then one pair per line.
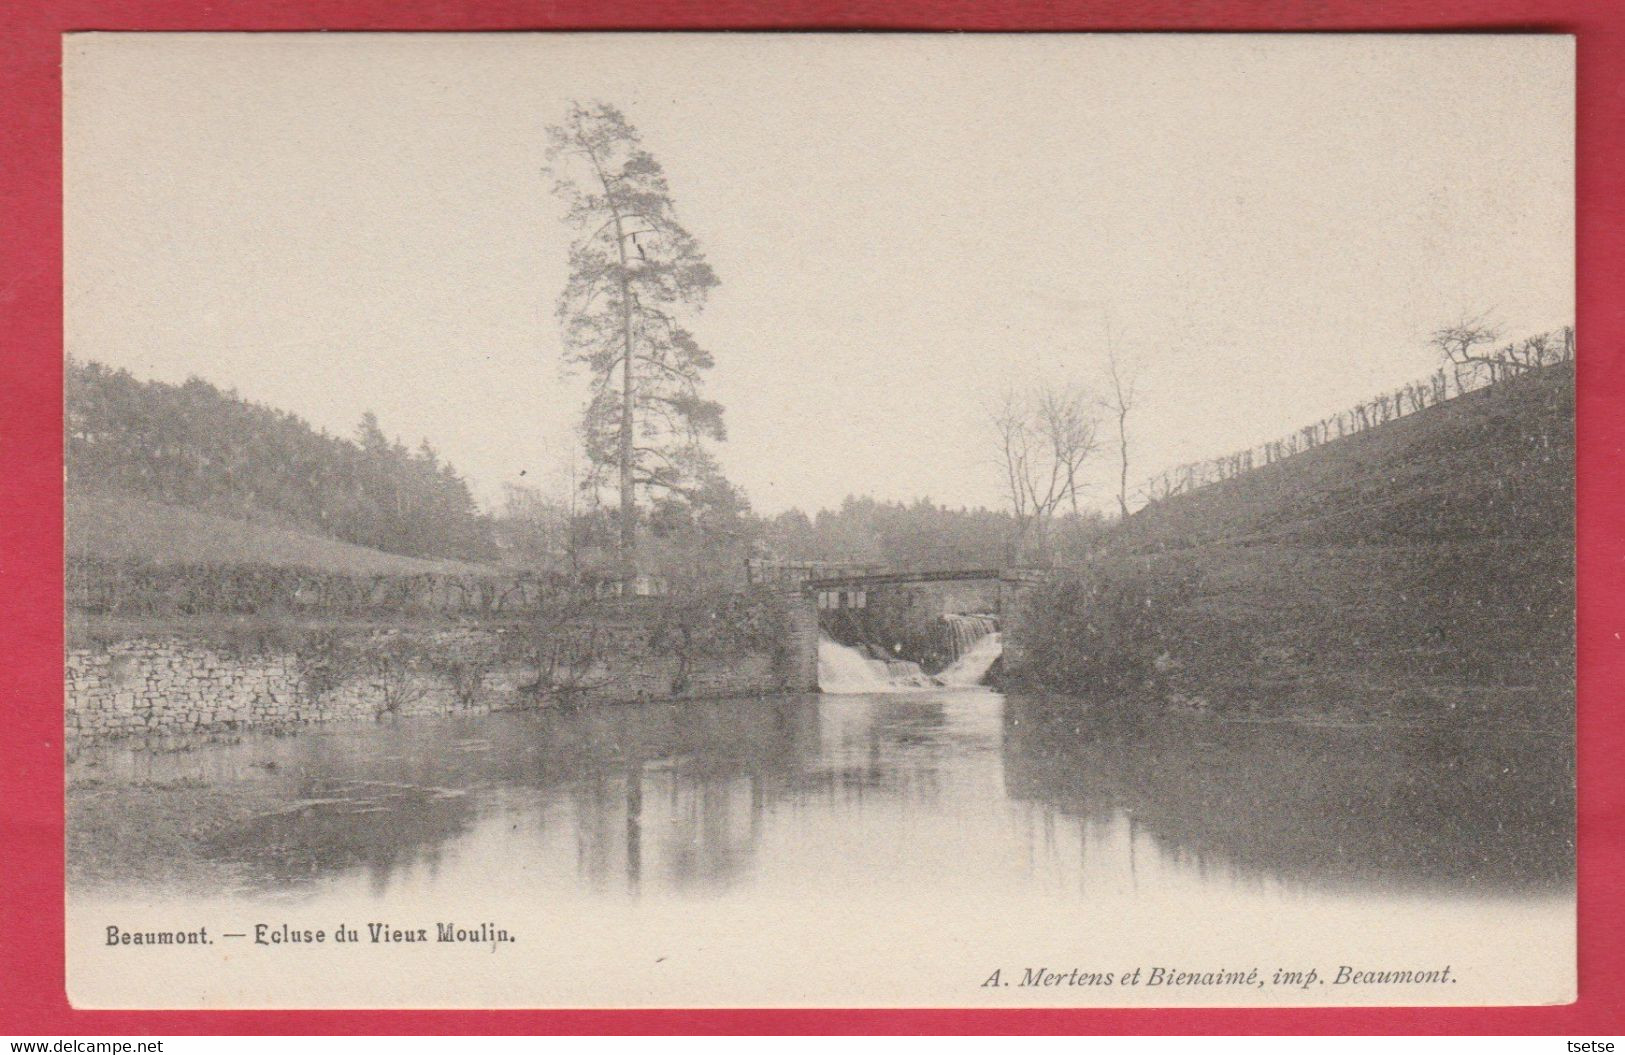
x,y
891,848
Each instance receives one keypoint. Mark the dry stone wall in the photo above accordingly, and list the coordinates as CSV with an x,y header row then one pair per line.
x,y
157,685
161,686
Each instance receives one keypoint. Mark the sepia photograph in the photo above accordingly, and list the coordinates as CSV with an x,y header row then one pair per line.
x,y
588,520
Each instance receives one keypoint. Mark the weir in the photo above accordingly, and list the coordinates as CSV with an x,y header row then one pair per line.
x,y
974,639
978,659
963,631
844,670
958,620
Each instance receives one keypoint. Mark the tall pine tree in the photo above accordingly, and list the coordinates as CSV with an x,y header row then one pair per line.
x,y
635,275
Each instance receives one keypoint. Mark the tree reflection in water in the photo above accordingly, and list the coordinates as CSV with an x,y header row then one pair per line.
x,y
1457,808
701,798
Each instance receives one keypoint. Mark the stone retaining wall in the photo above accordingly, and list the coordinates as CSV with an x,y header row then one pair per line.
x,y
165,684
159,686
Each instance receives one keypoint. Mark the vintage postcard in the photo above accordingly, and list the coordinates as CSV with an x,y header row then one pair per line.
x,y
861,520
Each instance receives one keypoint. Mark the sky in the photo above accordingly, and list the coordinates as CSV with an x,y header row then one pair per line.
x,y
903,226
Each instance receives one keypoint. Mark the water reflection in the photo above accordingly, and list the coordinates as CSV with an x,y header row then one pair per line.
x,y
1436,807
956,789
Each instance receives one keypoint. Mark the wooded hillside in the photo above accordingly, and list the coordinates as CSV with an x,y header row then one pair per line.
x,y
194,445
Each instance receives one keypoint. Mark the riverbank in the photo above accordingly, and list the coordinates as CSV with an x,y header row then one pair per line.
x,y
180,675
1478,632
1421,570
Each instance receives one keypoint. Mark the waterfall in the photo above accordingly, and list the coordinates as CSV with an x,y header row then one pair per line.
x,y
964,631
975,643
843,671
846,670
972,667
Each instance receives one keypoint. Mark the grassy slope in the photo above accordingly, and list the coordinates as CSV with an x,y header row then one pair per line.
x,y
1426,565
116,527
1496,463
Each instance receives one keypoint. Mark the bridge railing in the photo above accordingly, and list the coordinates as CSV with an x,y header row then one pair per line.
x,y
762,571
901,578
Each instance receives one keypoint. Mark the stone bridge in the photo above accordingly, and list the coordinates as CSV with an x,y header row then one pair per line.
x,y
897,601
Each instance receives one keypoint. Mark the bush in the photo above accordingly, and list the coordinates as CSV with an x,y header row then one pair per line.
x,y
1102,629
708,625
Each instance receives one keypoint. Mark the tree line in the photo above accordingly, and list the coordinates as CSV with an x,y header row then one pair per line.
x,y
194,445
904,535
705,545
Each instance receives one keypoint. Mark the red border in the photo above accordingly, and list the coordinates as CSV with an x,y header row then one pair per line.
x,y
32,999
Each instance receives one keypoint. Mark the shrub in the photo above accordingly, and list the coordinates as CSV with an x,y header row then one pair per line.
x,y
712,625
1105,628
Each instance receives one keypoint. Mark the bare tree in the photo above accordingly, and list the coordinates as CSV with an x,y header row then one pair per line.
x,y
1045,435
1125,377
1466,345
